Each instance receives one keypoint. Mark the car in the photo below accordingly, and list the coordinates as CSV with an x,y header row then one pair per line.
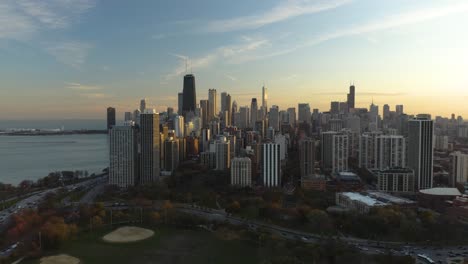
x,y
304,239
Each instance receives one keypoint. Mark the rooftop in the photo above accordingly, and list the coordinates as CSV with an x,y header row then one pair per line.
x,y
363,198
387,198
442,191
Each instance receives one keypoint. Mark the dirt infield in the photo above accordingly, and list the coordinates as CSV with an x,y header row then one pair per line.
x,y
59,259
128,234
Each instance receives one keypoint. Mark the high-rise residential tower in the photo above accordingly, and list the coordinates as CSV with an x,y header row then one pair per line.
x,y
212,104
307,157
189,102
264,100
150,146
180,103
421,150
142,105
110,117
271,165
351,97
304,113
253,112
123,156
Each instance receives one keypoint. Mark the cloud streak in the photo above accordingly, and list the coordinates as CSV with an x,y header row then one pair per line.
x,y
226,53
23,20
285,10
82,87
71,53
390,22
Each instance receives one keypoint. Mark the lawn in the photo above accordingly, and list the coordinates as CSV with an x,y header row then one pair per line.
x,y
167,246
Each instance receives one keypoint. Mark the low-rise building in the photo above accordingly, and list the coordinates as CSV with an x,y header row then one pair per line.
x,y
314,182
395,180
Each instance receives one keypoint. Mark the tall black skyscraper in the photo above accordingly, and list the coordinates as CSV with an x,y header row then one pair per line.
x,y
110,117
351,96
189,101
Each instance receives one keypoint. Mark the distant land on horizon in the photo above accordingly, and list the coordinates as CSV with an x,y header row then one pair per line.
x,y
67,124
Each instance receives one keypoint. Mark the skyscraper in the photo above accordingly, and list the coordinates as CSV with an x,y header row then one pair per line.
x,y
110,117
351,97
399,109
149,145
271,165
123,161
421,150
292,116
264,100
307,157
180,103
459,168
179,126
204,112
223,153
304,113
273,118
253,112
128,116
189,101
241,172
142,105
226,108
335,151
244,117
212,104
171,154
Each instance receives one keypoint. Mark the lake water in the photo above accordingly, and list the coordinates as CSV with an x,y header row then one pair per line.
x,y
33,157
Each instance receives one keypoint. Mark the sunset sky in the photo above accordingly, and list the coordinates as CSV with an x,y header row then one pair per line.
x,y
72,59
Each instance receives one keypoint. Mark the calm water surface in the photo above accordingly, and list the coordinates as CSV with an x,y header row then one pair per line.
x,y
33,157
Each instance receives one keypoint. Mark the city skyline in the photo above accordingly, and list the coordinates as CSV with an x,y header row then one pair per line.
x,y
395,52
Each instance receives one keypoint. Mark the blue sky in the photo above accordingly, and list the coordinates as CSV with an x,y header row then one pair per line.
x,y
71,59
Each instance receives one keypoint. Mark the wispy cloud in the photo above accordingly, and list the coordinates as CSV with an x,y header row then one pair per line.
x,y
23,20
283,11
227,53
82,87
95,95
230,77
20,19
71,53
399,20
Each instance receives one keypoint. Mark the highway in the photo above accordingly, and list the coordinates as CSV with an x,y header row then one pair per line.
x,y
36,198
436,254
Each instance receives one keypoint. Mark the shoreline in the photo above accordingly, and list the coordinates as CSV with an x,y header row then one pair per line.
x,y
43,133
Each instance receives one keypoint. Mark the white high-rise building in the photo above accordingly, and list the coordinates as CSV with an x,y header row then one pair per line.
x,y
281,140
459,168
368,149
271,165
421,150
391,152
123,155
441,142
335,151
241,172
223,153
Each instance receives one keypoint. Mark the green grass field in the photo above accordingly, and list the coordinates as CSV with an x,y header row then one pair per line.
x,y
167,246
